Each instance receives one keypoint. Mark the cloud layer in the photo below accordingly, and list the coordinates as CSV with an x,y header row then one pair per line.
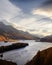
x,y
8,10
34,16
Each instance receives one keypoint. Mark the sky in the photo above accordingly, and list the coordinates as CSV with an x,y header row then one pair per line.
x,y
33,16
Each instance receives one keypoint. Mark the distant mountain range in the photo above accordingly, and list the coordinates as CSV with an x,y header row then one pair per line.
x,y
9,32
46,39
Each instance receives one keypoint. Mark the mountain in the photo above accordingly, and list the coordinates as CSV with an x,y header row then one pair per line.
x,y
42,58
46,39
9,32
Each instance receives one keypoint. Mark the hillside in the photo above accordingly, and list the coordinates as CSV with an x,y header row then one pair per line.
x,y
8,32
42,58
46,39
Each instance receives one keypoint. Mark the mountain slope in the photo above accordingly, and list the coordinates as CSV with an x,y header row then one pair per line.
x,y
46,39
9,32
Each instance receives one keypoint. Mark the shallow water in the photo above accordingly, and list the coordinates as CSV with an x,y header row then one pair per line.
x,y
21,56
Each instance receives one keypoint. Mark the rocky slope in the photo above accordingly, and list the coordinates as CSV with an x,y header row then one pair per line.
x,y
4,62
42,58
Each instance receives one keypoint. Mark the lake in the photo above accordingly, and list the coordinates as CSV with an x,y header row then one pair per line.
x,y
23,55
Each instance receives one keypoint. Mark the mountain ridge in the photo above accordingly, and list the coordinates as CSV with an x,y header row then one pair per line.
x,y
46,39
9,32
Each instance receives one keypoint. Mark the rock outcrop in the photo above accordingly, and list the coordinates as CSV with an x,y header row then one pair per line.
x,y
42,58
4,62
12,47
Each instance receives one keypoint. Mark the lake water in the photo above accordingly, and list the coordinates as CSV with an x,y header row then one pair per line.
x,y
22,56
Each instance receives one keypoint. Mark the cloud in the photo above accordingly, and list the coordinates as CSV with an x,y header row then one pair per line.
x,y
42,12
40,19
46,8
34,16
23,0
8,10
48,2
27,5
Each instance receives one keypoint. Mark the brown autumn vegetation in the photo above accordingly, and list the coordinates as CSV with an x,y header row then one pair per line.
x,y
2,38
4,62
42,58
12,47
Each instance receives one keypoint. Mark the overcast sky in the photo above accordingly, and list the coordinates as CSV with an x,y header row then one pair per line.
x,y
34,16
